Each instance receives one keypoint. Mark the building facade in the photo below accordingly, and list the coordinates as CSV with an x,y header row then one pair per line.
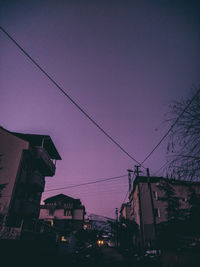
x,y
149,204
25,161
125,211
63,212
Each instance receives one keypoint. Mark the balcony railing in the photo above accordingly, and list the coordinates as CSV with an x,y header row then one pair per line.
x,y
44,162
37,182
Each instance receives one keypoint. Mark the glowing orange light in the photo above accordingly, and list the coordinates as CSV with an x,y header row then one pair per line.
x,y
63,239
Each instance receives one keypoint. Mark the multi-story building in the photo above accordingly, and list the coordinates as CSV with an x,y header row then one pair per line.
x,y
25,161
125,211
149,203
63,212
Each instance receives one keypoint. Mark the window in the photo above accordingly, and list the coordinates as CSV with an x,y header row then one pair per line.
x,y
67,213
157,212
155,195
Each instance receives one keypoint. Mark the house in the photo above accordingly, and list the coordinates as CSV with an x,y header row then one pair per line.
x,y
87,224
26,159
148,203
63,212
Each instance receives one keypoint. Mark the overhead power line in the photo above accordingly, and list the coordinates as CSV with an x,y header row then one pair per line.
x,y
67,95
172,126
88,183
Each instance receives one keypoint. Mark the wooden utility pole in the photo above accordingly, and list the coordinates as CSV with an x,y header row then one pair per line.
x,y
152,207
140,210
117,232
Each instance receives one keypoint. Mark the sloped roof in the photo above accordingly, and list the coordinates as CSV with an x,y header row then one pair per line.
x,y
37,139
60,197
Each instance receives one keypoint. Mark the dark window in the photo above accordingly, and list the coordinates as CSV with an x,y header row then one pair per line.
x,y
67,213
157,212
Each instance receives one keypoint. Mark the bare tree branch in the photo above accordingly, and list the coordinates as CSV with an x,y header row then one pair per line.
x,y
183,149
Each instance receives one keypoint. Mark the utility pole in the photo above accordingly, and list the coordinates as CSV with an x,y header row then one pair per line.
x,y
152,207
137,172
116,212
129,180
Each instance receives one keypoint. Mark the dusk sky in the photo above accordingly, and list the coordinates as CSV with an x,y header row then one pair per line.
x,y
122,61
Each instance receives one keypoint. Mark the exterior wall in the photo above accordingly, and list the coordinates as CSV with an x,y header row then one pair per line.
x,y
158,203
44,214
78,214
11,149
58,214
134,213
125,211
147,212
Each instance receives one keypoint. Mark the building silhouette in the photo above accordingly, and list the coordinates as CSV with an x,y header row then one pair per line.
x,y
63,212
26,159
149,204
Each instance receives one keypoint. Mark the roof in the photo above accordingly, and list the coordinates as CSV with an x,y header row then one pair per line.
x,y
60,197
36,140
144,179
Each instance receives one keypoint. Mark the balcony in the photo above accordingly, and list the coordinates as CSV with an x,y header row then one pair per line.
x,y
37,182
30,208
44,162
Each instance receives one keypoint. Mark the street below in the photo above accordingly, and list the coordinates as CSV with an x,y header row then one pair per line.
x,y
100,257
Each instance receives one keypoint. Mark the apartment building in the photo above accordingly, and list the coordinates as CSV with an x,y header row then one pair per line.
x,y
125,211
148,196
25,161
63,212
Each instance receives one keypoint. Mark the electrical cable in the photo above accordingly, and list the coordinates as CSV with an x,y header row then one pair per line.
x,y
67,95
88,183
172,126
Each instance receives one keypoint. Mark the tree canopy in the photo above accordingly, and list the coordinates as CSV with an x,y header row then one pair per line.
x,y
183,150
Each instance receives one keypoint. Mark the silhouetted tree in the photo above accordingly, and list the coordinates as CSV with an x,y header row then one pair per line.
x,y
183,150
173,206
170,232
127,230
194,212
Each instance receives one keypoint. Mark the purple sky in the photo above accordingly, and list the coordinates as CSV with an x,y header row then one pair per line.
x,y
123,62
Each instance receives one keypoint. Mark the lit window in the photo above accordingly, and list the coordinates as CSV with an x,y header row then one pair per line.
x,y
63,239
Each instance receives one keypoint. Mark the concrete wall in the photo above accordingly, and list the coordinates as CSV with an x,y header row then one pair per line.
x,y
11,148
58,214
135,206
78,214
